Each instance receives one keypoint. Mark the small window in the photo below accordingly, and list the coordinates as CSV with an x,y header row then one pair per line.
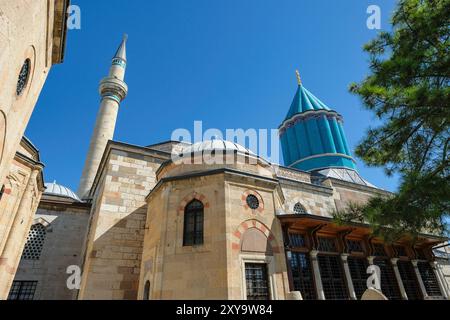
x,y
327,244
299,209
193,224
421,255
147,291
22,290
401,251
389,285
302,275
358,272
355,246
24,76
253,202
378,250
429,279
333,279
35,243
257,281
297,240
409,280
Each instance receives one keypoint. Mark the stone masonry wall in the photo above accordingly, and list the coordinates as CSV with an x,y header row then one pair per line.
x,y
63,246
25,27
113,256
17,207
213,270
316,200
241,219
173,270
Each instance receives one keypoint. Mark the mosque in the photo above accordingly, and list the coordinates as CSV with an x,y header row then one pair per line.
x,y
142,226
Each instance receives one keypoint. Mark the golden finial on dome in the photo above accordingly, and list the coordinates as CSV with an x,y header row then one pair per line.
x,y
299,79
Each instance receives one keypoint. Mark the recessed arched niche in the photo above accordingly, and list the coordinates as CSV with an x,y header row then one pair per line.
x,y
255,241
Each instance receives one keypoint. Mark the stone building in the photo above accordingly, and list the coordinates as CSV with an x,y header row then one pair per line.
x,y
32,40
56,241
213,220
19,199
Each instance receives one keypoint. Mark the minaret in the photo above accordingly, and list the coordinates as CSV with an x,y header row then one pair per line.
x,y
312,135
112,90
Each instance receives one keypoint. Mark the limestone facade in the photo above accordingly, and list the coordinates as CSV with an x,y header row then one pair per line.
x,y
129,236
133,247
114,247
66,224
18,203
215,269
32,32
32,40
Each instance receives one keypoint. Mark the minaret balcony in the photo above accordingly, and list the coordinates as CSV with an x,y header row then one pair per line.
x,y
110,85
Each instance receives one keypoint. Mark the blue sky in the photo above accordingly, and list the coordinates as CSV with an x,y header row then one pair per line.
x,y
228,63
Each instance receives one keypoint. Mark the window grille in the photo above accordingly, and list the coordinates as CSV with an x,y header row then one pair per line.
x,y
389,285
193,224
22,290
429,279
327,244
297,240
24,76
409,280
299,209
302,275
379,250
257,281
401,251
333,280
355,246
421,254
35,242
358,270
253,202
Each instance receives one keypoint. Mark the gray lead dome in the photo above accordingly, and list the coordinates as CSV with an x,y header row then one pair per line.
x,y
54,189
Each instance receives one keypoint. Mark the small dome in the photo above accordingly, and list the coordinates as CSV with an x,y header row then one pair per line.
x,y
54,189
220,145
345,174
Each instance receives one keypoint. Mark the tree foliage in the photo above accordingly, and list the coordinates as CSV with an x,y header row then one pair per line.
x,y
408,91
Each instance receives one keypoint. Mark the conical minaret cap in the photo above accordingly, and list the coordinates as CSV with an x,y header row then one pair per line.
x,y
122,51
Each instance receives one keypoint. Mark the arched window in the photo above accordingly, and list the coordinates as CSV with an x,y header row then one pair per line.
x,y
193,224
299,209
35,242
23,78
147,291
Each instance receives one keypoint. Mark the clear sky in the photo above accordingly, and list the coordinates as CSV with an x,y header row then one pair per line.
x,y
228,63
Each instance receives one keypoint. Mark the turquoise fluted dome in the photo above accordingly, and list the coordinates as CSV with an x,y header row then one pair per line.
x,y
305,101
312,135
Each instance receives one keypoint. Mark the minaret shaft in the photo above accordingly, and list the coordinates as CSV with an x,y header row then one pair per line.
x,y
113,90
103,132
